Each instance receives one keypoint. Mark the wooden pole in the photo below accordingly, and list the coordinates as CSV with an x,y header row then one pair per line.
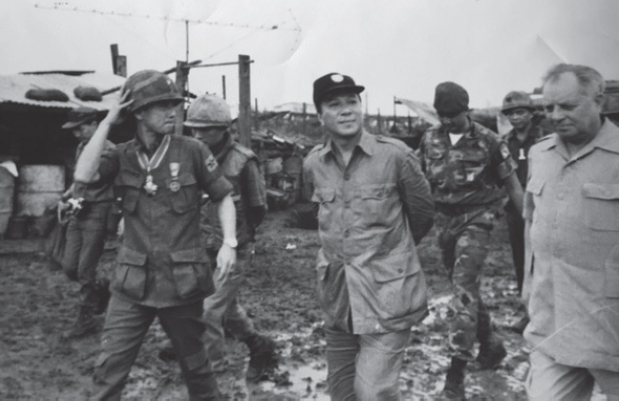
x,y
182,72
256,114
244,101
304,129
223,86
114,50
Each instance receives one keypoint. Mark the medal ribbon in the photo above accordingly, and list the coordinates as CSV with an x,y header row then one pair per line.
x,y
152,163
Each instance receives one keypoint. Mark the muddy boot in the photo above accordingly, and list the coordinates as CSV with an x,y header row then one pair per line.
x,y
84,325
454,383
103,296
262,356
491,349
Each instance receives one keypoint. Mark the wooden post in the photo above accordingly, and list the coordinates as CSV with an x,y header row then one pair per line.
x,y
223,86
244,120
114,50
256,114
182,72
119,63
303,129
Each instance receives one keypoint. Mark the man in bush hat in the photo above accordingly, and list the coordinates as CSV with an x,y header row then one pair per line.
x,y
466,164
162,268
375,205
519,109
88,206
209,119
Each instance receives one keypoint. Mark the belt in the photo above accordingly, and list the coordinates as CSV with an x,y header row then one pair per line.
x,y
457,210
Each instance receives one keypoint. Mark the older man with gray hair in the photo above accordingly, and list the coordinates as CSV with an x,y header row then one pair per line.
x,y
572,229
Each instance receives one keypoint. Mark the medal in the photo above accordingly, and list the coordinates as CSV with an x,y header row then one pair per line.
x,y
149,186
175,186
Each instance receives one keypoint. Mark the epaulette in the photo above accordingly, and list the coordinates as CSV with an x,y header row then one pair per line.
x,y
546,142
243,150
393,141
316,149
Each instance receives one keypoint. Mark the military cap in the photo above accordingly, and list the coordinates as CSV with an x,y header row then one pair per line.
x,y
334,82
450,99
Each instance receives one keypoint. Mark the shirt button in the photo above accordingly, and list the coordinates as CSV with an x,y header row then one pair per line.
x,y
346,233
346,177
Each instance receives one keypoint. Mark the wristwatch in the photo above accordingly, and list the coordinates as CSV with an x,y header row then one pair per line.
x,y
231,242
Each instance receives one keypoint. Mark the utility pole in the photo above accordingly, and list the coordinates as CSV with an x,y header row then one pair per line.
x,y
223,86
119,63
182,73
244,120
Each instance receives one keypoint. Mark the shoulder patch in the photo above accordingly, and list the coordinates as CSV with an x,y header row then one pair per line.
x,y
211,163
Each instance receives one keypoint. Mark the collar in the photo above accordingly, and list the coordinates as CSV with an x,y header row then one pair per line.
x,y
607,139
221,149
366,144
155,160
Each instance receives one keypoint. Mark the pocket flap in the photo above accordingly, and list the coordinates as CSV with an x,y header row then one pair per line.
x,y
183,179
189,255
394,268
323,195
535,186
131,257
601,191
375,191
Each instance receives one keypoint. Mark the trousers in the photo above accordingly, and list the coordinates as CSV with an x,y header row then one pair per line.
x,y
85,240
222,310
365,367
126,324
515,227
463,240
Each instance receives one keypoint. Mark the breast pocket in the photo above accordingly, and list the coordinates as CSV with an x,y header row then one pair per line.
x,y
131,274
128,186
470,167
190,272
375,203
183,193
326,198
601,206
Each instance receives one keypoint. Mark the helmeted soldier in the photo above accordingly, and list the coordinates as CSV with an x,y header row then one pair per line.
x,y
209,118
519,109
162,268
466,164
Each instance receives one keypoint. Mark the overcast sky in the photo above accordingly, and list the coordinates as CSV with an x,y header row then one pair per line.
x,y
400,48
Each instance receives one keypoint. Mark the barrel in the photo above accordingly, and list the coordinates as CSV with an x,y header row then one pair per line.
x,y
40,187
7,191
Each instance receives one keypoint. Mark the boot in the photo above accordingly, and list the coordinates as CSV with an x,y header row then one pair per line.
x,y
103,296
491,349
454,382
84,325
262,356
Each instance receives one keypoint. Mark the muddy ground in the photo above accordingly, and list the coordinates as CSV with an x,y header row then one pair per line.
x,y
38,304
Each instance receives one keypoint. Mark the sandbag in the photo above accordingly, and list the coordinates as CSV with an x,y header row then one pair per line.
x,y
47,95
89,93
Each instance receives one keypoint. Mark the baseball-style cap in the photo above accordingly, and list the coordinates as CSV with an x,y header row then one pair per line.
x,y
450,99
334,82
79,116
517,100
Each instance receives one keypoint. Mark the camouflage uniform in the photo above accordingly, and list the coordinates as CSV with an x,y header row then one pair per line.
x,y
465,180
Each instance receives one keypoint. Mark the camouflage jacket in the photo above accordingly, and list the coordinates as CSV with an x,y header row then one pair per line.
x,y
469,172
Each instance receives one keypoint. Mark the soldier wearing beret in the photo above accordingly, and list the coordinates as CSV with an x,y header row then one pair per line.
x,y
518,108
375,204
466,165
88,207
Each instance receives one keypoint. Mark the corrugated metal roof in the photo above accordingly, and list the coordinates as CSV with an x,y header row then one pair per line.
x,y
13,89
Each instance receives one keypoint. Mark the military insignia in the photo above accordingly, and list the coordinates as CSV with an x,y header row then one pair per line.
x,y
504,151
521,155
174,169
175,186
337,78
149,186
211,163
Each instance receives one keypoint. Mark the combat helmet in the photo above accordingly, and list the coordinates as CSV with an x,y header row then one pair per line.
x,y
150,86
208,111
